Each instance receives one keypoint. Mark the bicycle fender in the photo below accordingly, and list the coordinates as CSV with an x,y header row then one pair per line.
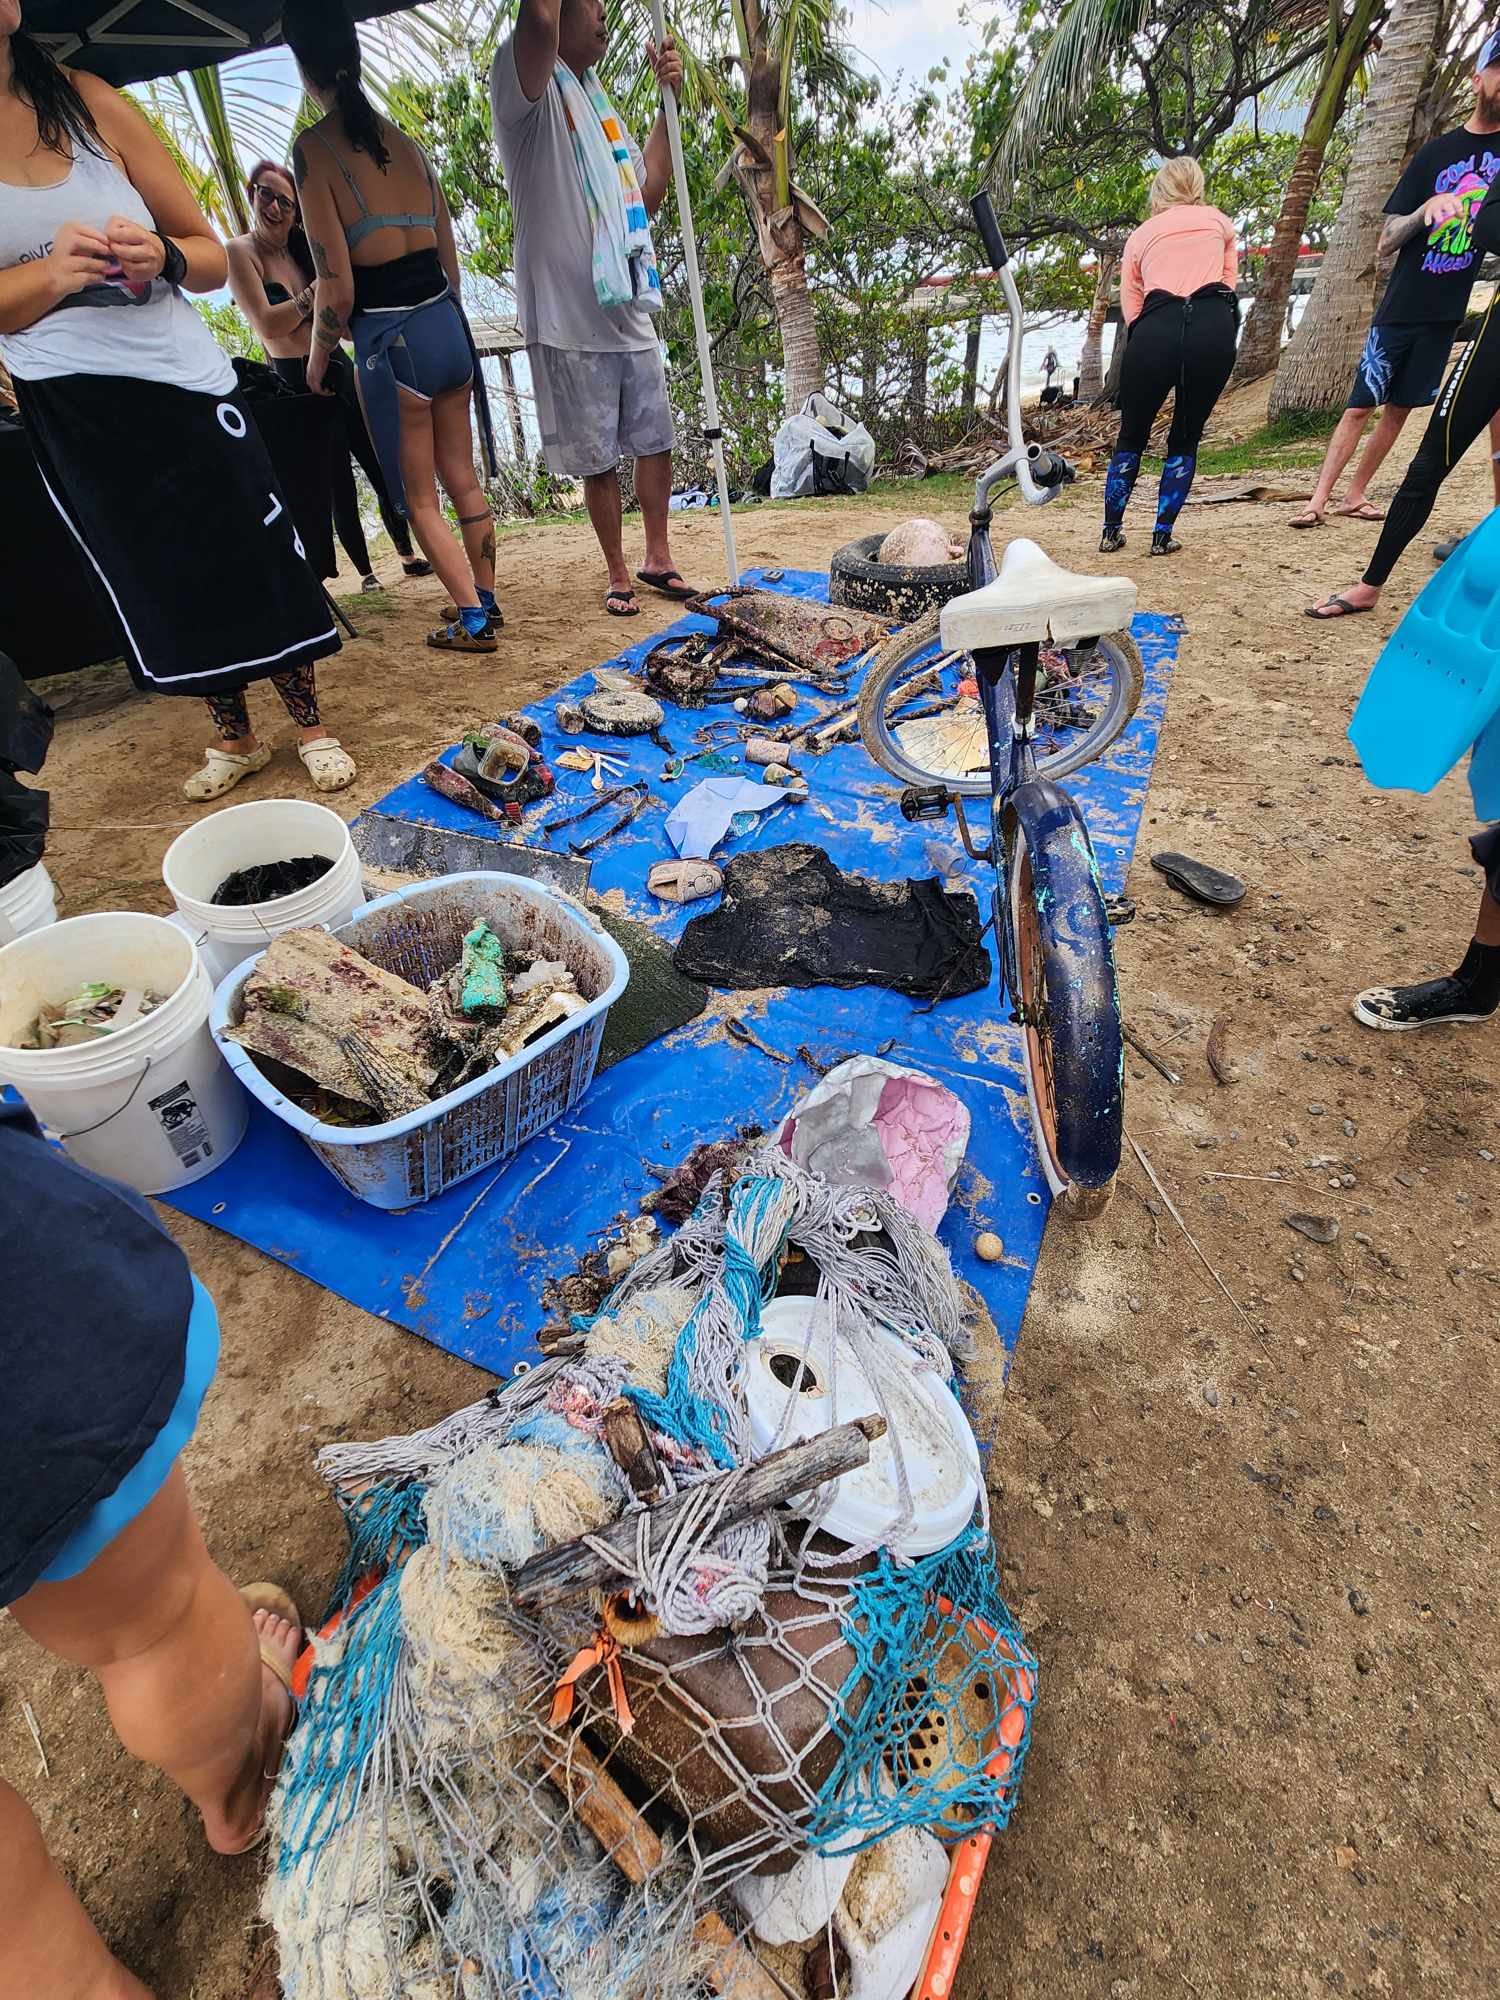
x,y
1088,1048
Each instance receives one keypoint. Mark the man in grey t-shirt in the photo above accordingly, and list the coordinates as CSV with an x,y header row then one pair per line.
x,y
601,390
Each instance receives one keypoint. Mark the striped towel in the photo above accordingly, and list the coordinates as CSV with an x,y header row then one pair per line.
x,y
624,261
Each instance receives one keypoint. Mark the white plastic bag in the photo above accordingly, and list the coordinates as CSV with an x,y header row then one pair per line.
x,y
820,451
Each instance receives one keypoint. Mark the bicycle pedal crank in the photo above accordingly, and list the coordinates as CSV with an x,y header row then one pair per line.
x,y
925,802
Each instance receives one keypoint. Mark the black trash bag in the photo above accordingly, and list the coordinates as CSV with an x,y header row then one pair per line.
x,y
260,384
25,733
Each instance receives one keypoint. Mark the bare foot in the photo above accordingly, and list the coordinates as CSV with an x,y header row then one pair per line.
x,y
238,1826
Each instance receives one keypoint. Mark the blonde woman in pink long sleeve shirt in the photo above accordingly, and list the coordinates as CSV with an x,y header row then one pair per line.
x,y
1182,317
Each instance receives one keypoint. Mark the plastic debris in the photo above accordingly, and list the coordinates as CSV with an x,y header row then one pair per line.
x,y
269,879
482,969
700,821
875,1123
96,1009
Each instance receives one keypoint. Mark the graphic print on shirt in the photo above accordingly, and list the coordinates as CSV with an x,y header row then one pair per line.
x,y
1450,246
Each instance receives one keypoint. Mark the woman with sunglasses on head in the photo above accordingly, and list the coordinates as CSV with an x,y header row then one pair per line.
x,y
388,276
272,279
133,417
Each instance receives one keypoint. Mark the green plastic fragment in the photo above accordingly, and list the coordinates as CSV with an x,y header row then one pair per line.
x,y
483,966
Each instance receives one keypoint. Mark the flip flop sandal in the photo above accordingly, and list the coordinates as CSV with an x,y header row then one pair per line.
x,y
271,1597
622,604
684,881
1308,518
1365,511
222,771
457,638
1345,610
328,764
660,580
1200,881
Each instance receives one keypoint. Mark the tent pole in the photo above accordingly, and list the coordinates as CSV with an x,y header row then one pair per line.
x,y
695,292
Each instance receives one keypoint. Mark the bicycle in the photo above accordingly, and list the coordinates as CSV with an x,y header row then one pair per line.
x,y
1029,647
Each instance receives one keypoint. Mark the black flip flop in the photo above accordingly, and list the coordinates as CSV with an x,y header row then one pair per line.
x,y
660,580
417,566
1198,880
622,603
1345,610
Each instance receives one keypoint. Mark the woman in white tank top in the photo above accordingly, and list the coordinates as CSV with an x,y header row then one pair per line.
x,y
132,412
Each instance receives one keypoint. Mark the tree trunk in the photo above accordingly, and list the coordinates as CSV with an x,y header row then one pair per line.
x,y
513,410
802,358
1260,344
971,366
919,349
869,379
778,228
1318,362
1111,390
1091,360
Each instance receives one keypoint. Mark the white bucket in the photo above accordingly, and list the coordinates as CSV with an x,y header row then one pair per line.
x,y
27,903
244,837
154,1106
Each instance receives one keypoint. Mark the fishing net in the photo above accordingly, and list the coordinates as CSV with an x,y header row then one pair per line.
x,y
497,1791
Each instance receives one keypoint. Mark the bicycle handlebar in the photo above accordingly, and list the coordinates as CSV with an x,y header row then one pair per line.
x,y
1040,474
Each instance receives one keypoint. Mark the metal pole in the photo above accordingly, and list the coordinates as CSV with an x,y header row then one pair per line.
x,y
712,431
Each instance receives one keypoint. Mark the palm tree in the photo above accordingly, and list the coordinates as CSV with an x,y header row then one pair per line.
x,y
752,76
1316,367
1345,42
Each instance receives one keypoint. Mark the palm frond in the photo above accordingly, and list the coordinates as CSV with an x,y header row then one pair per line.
x,y
1090,39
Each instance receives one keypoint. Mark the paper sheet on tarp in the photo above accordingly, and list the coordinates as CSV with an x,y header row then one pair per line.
x,y
876,1124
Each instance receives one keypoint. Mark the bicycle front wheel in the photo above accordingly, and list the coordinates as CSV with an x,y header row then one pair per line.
x,y
920,716
1071,1047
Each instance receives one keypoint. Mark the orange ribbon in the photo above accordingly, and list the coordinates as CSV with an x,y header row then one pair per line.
x,y
604,1652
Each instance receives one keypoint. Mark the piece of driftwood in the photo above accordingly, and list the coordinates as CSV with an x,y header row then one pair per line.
x,y
636,1851
572,1568
341,1020
1217,1052
628,1443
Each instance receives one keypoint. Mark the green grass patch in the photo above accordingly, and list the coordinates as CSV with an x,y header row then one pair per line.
x,y
361,603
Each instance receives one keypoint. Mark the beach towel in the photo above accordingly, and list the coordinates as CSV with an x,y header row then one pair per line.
x,y
624,261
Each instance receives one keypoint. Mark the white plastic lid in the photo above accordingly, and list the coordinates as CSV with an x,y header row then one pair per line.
x,y
799,1383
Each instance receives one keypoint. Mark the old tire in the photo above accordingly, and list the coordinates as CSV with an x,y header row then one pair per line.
x,y
891,590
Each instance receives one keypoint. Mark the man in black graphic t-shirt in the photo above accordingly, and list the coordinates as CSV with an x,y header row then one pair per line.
x,y
1431,211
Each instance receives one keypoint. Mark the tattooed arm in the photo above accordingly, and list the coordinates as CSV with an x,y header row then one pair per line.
x,y
1399,229
333,297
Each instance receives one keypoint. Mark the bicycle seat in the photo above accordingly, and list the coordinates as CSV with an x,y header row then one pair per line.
x,y
1034,600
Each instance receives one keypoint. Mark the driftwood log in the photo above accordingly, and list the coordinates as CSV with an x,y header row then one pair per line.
x,y
570,1569
636,1851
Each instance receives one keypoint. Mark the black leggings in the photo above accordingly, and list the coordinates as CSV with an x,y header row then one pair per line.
x,y
351,439
1186,345
1470,397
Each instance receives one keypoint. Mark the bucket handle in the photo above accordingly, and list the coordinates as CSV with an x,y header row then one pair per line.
x,y
99,1124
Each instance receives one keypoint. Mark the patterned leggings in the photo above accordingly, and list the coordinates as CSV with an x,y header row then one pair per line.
x,y
299,695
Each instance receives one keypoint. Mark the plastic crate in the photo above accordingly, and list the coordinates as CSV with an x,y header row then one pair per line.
x,y
418,933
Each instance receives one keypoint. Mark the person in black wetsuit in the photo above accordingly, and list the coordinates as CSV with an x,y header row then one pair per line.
x,y
1470,400
1177,278
272,278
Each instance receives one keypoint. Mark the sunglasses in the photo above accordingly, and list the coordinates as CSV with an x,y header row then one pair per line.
x,y
269,198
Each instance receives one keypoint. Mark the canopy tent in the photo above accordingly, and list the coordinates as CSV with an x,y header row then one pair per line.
x,y
128,41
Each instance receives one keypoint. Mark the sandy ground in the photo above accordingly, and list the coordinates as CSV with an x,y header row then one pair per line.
x,y
1254,1546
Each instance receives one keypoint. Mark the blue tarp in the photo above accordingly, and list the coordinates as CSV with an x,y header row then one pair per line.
x,y
465,1270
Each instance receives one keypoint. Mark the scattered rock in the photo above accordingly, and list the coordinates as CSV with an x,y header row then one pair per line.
x,y
1359,1604
1042,1506
1315,1111
1364,1662
1316,1228
988,1246
1133,1304
1324,1513
1350,1128
1211,1395
1119,1517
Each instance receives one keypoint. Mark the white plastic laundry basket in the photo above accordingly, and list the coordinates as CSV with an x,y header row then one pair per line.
x,y
245,837
27,903
418,933
153,1106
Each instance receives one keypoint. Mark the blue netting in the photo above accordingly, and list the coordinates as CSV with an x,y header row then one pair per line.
x,y
935,1715
346,1707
